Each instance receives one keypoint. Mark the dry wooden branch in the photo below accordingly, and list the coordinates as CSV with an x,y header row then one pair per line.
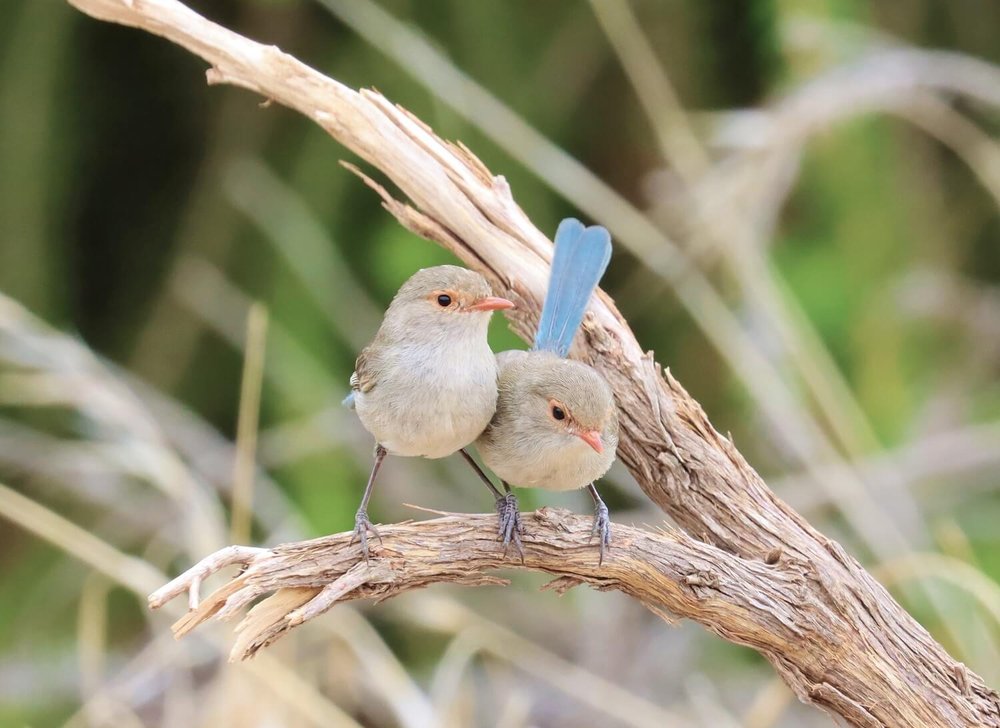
x,y
669,572
842,643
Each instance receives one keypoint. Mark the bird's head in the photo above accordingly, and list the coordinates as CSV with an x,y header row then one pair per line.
x,y
570,403
446,297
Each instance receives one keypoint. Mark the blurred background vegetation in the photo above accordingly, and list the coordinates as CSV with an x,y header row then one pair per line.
x,y
804,199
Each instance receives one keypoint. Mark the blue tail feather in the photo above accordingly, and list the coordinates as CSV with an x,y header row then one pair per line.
x,y
580,259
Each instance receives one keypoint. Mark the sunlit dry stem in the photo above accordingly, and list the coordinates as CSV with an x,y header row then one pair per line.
x,y
839,641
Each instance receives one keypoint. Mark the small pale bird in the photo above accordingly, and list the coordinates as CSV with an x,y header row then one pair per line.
x,y
556,423
426,386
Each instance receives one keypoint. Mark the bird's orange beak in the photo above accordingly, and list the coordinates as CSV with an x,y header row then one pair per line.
x,y
592,438
491,303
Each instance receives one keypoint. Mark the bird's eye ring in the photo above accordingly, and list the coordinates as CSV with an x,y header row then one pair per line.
x,y
557,412
444,300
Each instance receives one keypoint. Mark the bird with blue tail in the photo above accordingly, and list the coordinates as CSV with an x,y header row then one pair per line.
x,y
556,422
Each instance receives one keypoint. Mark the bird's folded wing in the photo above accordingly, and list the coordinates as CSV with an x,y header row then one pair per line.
x,y
365,368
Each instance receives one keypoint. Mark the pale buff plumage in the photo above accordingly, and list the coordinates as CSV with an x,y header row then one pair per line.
x,y
427,384
526,446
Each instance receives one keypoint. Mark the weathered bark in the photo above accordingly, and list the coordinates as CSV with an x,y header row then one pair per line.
x,y
840,641
674,575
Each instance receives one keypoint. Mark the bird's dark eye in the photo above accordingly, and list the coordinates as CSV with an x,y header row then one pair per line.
x,y
558,413
444,300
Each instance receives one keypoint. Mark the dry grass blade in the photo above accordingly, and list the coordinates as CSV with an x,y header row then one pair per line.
x,y
249,418
92,634
984,590
475,634
134,573
139,577
411,706
944,460
51,369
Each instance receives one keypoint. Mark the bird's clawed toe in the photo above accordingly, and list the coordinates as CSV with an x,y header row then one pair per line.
x,y
510,526
602,528
361,528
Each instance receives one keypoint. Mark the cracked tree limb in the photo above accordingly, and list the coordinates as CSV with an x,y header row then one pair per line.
x,y
843,644
667,571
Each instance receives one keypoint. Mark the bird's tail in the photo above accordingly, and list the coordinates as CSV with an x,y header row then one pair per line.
x,y
580,259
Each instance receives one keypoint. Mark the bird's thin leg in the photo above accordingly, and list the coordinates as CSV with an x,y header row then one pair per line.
x,y
361,523
602,522
482,476
510,528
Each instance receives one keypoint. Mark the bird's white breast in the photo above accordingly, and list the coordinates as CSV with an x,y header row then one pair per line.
x,y
430,401
564,465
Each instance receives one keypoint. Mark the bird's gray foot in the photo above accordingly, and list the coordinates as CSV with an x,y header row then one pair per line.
x,y
361,528
510,526
602,528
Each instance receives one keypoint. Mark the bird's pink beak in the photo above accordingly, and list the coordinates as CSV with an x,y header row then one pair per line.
x,y
491,303
592,438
